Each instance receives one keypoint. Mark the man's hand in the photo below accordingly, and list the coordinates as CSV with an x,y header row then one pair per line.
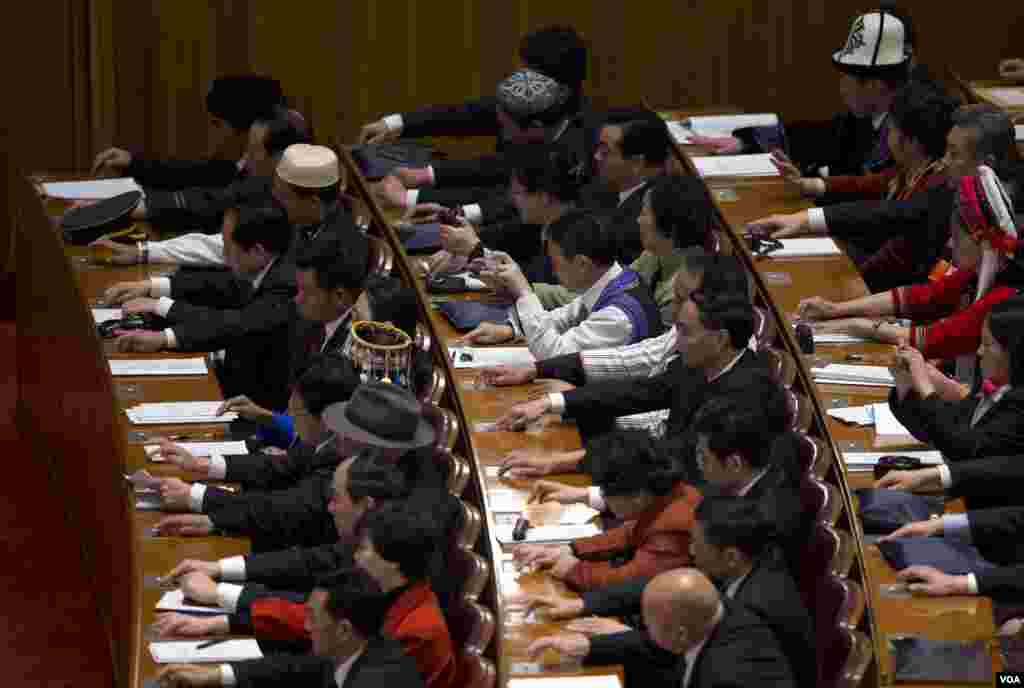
x,y
461,239
927,580
506,376
414,177
200,588
490,333
507,277
527,463
174,494
141,304
791,173
572,646
123,292
780,226
554,607
247,409
920,480
1012,69
550,491
185,525
912,361
207,568
173,624
539,555
390,192
425,212
190,676
930,528
184,459
816,308
113,160
521,415
141,342
107,252
598,625
565,563
378,132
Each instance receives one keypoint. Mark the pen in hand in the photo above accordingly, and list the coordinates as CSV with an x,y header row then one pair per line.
x,y
211,643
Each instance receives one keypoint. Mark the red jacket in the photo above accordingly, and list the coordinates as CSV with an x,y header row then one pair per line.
x,y
415,620
657,541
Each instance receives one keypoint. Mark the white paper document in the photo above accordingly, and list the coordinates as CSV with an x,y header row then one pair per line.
x,y
484,357
718,125
552,534
577,515
91,190
845,374
810,246
1019,131
858,415
506,501
886,422
607,681
867,460
759,165
179,412
102,315
158,366
200,449
174,601
1007,97
831,338
188,652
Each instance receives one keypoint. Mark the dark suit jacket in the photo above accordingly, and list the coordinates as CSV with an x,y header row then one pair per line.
x,y
947,424
768,590
987,483
844,144
214,309
997,534
383,663
181,174
275,472
202,206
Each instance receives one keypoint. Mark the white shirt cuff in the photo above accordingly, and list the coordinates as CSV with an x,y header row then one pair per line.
x,y
171,342
159,286
557,403
410,197
163,306
816,219
433,179
227,596
394,122
945,476
195,497
232,568
474,213
227,676
218,467
972,584
595,499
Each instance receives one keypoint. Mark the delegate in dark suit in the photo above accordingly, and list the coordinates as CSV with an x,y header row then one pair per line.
x,y
382,663
994,481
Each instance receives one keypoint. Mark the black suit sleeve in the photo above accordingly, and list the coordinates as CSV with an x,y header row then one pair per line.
x,y
297,568
621,599
946,425
472,118
997,533
568,367
615,398
203,205
214,287
484,170
267,472
274,671
998,477
182,174
856,220
1004,583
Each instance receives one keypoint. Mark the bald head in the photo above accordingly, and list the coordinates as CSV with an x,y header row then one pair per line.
x,y
680,608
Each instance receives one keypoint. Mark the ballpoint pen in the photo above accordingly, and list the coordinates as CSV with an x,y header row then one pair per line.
x,y
211,643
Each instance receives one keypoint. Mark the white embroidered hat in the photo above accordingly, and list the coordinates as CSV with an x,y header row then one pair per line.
x,y
877,40
308,166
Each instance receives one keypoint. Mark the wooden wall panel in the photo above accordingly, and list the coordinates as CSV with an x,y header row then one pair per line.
x,y
345,63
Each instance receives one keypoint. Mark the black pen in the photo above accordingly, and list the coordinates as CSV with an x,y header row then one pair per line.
x,y
211,643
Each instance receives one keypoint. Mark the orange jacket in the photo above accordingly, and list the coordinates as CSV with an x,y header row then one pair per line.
x,y
657,541
415,620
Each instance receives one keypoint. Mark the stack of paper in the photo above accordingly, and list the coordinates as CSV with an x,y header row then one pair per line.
x,y
483,357
102,315
174,601
844,374
759,165
830,338
813,246
552,534
718,125
887,425
188,652
865,461
179,412
858,415
606,681
158,366
91,190
200,449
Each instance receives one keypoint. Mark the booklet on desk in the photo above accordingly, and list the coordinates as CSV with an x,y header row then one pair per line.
x,y
812,246
559,533
90,190
158,366
188,651
866,461
757,165
606,681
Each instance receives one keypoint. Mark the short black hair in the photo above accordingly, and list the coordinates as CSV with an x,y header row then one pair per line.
x,y
583,232
682,209
545,167
354,596
994,136
405,534
738,522
266,225
339,262
746,421
326,380
629,462
725,275
392,301
924,114
283,129
1006,322
648,138
241,99
557,52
